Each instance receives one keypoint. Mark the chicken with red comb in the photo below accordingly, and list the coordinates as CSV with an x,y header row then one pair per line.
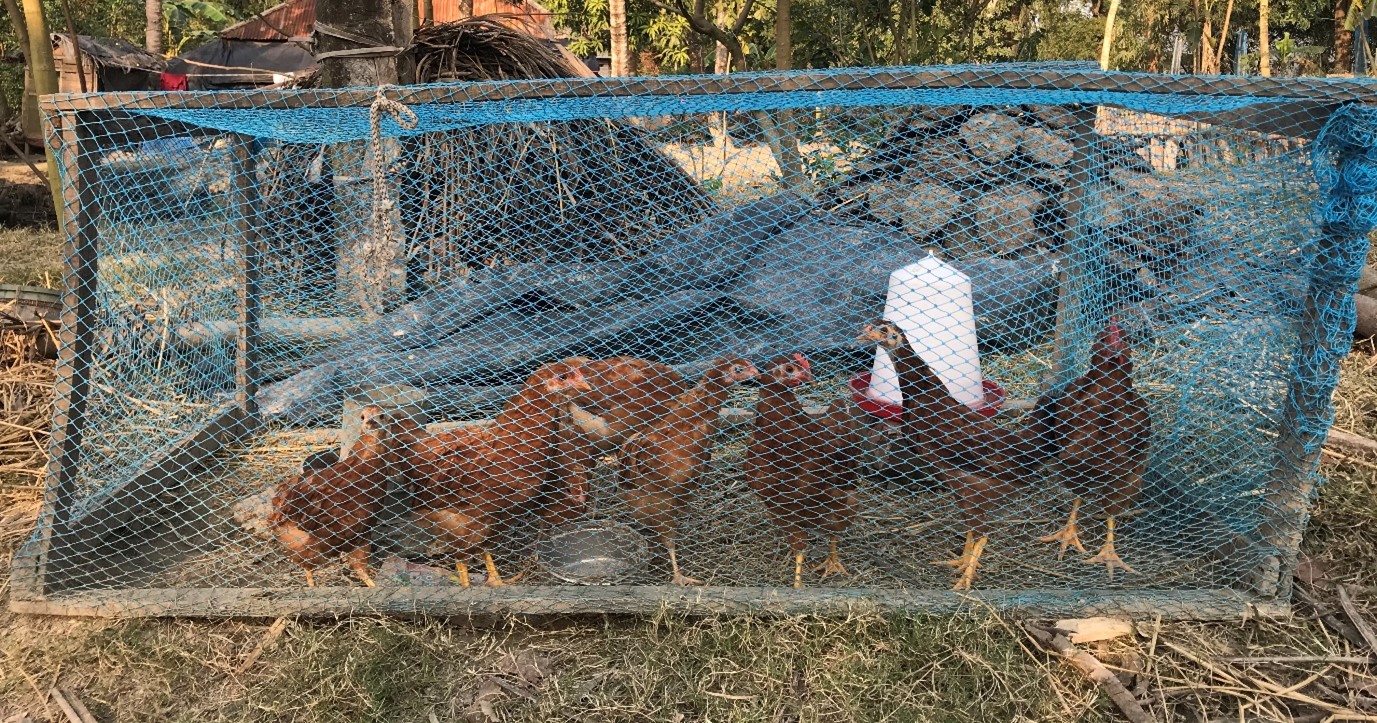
x,y
1105,433
804,470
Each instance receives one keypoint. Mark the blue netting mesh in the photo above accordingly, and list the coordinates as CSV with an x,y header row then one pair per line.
x,y
592,329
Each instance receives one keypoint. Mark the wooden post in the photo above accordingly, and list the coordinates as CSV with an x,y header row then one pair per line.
x,y
247,207
78,154
1073,284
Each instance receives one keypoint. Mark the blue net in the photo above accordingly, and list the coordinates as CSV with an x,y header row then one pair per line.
x,y
763,341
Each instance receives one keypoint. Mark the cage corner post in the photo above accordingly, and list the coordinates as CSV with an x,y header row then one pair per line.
x,y
247,205
1075,282
76,154
1348,213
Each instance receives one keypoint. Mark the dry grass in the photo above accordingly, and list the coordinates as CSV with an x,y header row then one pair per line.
x,y
973,667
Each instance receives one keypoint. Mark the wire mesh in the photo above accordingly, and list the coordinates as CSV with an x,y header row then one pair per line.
x,y
770,341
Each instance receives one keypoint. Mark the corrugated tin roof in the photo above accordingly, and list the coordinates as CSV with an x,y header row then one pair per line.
x,y
295,18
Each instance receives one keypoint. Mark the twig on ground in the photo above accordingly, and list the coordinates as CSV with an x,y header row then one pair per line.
x,y
71,705
1299,659
1093,669
1355,616
274,632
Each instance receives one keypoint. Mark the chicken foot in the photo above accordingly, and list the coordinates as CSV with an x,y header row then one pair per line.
x,y
463,570
832,564
310,577
358,562
1107,555
494,579
798,569
678,578
1068,536
968,562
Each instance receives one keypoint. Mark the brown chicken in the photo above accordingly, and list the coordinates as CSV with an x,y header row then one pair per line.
x,y
323,513
660,464
470,482
1105,435
804,470
981,462
626,394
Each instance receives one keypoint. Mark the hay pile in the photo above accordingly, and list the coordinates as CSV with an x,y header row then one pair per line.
x,y
26,395
577,190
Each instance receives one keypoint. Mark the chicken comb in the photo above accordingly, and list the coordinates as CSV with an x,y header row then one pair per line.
x,y
802,361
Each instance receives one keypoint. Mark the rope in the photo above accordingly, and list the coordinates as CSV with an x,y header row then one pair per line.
x,y
379,251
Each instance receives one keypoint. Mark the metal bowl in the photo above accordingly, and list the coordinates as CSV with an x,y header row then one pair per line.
x,y
593,553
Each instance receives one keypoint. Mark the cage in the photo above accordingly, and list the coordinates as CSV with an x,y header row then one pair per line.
x,y
353,341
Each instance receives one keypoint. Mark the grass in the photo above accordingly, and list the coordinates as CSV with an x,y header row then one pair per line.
x,y
972,667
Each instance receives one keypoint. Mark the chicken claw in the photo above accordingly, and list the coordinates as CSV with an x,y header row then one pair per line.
x,y
1068,536
494,579
358,562
678,578
798,570
969,561
832,564
1108,556
310,579
463,571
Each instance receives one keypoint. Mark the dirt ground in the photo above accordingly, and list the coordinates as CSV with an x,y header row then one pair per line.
x,y
1317,665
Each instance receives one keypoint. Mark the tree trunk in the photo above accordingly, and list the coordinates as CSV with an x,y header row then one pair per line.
x,y
616,25
1223,35
374,253
1264,46
40,57
1108,34
153,26
780,135
1343,39
784,41
30,124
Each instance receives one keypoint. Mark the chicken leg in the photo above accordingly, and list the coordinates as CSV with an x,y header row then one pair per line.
x,y
1068,536
832,564
968,562
310,577
678,578
463,570
798,569
1107,555
494,579
358,562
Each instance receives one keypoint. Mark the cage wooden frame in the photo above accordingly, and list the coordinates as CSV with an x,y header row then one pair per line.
x,y
1298,108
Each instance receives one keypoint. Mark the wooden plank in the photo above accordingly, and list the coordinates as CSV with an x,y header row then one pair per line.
x,y
1331,91
78,156
249,303
107,527
574,600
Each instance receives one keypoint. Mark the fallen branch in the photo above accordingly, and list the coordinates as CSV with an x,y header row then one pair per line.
x,y
1355,616
1351,442
71,705
1093,669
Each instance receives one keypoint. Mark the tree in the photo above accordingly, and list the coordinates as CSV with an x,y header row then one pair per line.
x,y
153,26
44,75
1263,45
30,124
616,25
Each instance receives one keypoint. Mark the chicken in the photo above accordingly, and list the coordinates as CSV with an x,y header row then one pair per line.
x,y
470,482
626,394
981,462
1105,434
325,512
803,470
660,464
